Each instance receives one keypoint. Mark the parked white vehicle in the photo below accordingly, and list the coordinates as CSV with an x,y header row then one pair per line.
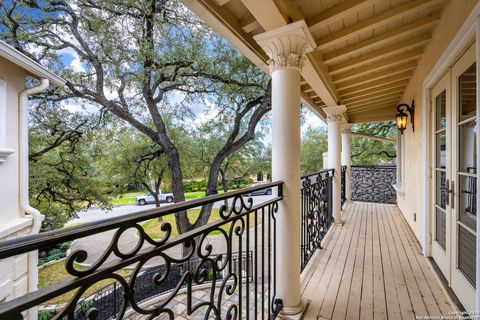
x,y
148,198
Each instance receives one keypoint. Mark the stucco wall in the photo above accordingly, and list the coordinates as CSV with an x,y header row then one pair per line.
x,y
14,272
453,17
9,170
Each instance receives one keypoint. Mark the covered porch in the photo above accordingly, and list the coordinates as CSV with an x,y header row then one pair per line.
x,y
372,268
350,62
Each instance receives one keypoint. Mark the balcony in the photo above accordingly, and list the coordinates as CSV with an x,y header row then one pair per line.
x,y
370,266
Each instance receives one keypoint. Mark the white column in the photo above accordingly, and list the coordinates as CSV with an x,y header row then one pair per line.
x,y
347,159
286,47
477,264
335,119
325,160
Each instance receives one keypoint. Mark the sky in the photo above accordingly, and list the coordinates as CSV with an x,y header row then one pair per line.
x,y
70,58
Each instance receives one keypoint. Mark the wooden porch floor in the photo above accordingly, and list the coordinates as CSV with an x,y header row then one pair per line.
x,y
372,268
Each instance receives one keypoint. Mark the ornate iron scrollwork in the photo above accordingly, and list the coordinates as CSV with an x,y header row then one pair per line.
x,y
374,184
316,212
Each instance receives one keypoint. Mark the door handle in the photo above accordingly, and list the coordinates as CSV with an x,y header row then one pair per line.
x,y
448,192
452,192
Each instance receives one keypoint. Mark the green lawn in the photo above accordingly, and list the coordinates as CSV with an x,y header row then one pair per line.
x,y
73,224
129,198
152,227
56,272
119,201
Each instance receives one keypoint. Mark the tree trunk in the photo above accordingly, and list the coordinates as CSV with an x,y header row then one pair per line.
x,y
224,184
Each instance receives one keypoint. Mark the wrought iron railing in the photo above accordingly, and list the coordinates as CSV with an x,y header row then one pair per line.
x,y
316,211
374,184
242,227
344,192
108,299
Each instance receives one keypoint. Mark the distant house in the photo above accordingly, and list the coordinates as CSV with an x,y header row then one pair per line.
x,y
18,274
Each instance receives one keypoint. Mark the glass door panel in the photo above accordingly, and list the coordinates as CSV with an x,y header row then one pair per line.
x,y
464,173
467,172
441,174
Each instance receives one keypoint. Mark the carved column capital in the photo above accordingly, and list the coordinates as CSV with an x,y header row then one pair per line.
x,y
336,113
347,128
286,46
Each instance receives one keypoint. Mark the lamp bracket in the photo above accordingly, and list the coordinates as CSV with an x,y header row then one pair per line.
x,y
410,109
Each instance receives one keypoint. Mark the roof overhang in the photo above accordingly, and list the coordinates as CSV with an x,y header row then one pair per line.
x,y
31,66
366,50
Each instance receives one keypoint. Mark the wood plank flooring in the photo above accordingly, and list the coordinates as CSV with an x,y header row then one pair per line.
x,y
371,268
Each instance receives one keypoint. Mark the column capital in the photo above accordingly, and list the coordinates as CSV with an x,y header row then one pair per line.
x,y
336,113
286,46
347,127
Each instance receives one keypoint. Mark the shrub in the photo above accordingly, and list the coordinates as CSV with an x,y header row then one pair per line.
x,y
54,253
45,315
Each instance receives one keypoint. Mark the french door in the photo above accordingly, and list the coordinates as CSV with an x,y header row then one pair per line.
x,y
442,208
454,177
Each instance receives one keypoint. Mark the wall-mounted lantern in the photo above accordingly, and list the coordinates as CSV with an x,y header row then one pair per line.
x,y
402,116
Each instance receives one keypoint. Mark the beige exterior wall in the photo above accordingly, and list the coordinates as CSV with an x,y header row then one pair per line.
x,y
412,201
9,170
14,276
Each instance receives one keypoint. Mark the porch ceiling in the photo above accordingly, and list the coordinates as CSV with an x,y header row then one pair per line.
x,y
366,52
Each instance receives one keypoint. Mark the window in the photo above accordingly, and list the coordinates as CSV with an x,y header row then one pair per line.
x,y
4,152
3,114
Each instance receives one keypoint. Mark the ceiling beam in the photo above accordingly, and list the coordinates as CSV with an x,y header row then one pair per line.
x,y
314,107
376,20
395,60
398,84
266,13
367,82
385,37
361,77
222,2
373,76
393,91
384,109
376,83
289,9
337,12
372,117
381,53
376,99
375,109
387,109
250,24
374,102
320,80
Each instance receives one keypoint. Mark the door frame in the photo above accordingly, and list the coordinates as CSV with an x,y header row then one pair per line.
x,y
469,32
458,281
443,254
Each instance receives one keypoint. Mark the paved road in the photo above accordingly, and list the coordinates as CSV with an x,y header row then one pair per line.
x,y
96,244
96,214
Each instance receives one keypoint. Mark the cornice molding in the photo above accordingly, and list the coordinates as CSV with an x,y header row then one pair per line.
x,y
286,46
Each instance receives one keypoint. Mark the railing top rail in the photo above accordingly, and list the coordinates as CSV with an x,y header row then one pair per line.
x,y
386,166
323,171
47,239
